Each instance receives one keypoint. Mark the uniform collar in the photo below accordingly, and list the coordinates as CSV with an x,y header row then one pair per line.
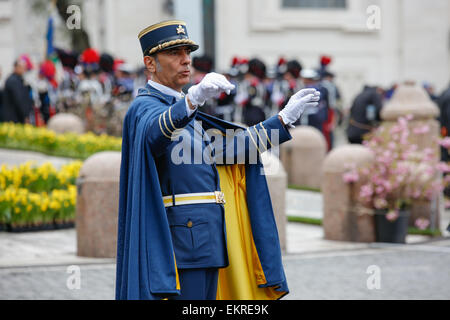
x,y
166,90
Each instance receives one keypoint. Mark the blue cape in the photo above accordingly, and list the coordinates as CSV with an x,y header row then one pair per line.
x,y
146,265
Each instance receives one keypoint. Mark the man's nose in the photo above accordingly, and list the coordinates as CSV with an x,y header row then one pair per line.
x,y
185,58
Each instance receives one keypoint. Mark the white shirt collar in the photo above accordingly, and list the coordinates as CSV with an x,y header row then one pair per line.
x,y
166,90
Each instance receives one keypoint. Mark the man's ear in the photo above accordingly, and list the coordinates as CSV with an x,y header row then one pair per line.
x,y
150,64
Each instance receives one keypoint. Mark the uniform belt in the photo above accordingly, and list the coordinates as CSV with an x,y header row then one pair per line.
x,y
194,198
360,125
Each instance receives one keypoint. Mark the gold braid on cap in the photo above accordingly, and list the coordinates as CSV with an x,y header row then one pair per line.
x,y
160,25
170,43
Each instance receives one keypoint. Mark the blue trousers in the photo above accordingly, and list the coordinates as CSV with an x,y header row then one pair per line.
x,y
197,284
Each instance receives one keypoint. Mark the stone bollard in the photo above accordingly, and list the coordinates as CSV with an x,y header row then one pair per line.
x,y
97,205
303,156
343,218
66,122
413,100
277,182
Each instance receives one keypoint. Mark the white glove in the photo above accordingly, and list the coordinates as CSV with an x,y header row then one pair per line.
x,y
210,86
305,98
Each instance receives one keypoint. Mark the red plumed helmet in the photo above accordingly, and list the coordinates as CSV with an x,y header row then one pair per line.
x,y
281,61
90,56
244,61
325,60
47,69
238,61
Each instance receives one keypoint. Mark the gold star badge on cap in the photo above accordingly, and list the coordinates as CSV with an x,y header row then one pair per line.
x,y
180,29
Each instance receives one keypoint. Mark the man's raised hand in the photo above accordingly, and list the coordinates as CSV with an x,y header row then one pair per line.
x,y
297,104
210,86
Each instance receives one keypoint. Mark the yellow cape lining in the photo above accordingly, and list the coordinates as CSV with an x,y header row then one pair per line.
x,y
240,280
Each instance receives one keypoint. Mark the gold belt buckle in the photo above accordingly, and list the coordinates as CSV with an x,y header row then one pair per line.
x,y
220,197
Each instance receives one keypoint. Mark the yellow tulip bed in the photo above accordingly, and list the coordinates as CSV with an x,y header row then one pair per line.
x,y
29,137
38,197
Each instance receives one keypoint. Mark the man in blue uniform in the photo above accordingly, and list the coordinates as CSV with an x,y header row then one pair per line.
x,y
180,222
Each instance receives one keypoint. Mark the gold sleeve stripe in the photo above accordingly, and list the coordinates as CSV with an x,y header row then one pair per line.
x,y
165,123
251,137
160,127
259,137
265,131
170,119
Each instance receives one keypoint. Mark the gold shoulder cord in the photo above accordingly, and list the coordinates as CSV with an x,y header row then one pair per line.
x,y
251,137
265,131
259,137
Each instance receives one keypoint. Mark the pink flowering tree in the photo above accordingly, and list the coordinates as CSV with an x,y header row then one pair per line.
x,y
400,173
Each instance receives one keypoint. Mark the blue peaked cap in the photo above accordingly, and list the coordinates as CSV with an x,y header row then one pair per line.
x,y
165,35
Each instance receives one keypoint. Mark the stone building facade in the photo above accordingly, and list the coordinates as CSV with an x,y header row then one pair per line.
x,y
376,42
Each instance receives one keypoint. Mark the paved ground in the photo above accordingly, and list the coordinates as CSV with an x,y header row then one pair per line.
x,y
405,272
37,265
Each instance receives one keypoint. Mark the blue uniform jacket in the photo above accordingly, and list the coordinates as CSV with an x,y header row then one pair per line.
x,y
151,238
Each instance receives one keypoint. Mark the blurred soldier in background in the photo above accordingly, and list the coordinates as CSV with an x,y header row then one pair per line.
x,y
316,117
324,62
119,78
364,114
236,74
254,93
17,101
124,81
106,74
89,91
89,86
46,87
275,87
335,113
65,99
287,82
225,107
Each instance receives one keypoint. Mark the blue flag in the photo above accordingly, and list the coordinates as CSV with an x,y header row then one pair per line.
x,y
49,37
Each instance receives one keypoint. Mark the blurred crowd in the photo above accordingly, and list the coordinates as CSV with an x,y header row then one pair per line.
x,y
99,88
96,87
262,91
